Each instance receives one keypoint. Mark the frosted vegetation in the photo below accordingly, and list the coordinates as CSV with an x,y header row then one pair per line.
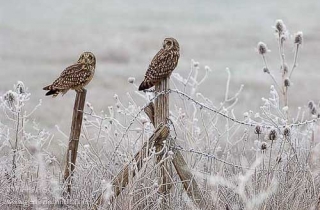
x,y
264,160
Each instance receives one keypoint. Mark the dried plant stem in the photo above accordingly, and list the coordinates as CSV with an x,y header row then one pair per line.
x,y
271,75
269,165
14,164
295,59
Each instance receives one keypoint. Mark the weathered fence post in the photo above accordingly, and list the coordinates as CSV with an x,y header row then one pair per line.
x,y
161,116
158,114
74,138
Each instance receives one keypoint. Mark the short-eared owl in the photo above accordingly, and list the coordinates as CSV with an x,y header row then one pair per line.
x,y
162,64
75,76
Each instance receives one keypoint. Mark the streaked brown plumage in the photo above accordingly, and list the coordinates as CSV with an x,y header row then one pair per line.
x,y
75,76
162,65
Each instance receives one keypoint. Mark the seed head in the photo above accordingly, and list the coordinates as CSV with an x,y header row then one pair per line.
x,y
264,146
286,132
286,82
280,27
313,111
298,38
10,99
207,68
195,64
131,80
262,48
20,88
266,70
258,129
272,135
285,68
311,104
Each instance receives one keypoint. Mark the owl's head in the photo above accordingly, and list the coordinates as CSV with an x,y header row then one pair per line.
x,y
87,58
171,44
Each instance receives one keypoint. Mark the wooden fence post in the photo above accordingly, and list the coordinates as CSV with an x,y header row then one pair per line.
x,y
161,116
74,138
121,180
158,114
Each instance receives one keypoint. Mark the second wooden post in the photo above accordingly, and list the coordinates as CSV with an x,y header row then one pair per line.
x,y
161,117
74,138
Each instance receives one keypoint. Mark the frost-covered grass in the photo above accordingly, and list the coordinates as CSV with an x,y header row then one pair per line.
x,y
261,160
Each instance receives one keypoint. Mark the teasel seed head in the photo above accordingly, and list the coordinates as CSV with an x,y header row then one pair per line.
x,y
10,99
286,132
313,111
264,146
272,135
280,27
131,80
262,48
285,68
298,38
258,130
286,82
266,70
20,88
311,104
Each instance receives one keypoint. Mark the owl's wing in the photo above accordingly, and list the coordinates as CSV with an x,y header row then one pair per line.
x,y
161,66
72,78
71,69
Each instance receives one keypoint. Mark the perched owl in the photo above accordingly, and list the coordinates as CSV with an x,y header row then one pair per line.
x,y
162,65
75,76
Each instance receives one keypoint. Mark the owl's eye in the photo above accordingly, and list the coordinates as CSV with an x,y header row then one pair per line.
x,y
169,43
90,57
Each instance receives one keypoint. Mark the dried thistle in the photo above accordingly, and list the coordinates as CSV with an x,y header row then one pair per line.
x,y
313,111
11,98
286,132
258,130
262,48
272,135
286,82
264,146
20,88
280,27
298,38
311,104
285,68
131,80
266,70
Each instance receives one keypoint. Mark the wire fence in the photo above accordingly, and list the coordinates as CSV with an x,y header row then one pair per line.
x,y
248,122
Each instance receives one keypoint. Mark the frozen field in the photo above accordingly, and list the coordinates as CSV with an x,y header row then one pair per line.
x,y
39,39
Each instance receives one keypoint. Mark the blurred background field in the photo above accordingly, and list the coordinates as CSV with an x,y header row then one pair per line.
x,y
38,39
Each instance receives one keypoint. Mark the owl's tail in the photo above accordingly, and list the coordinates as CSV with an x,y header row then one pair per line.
x,y
52,91
146,85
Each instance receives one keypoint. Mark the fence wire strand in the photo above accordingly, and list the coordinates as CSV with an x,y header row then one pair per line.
x,y
201,106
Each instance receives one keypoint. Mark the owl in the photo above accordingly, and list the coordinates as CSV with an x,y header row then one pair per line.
x,y
74,77
162,64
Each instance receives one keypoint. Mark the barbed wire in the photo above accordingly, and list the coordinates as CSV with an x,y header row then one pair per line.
x,y
132,121
207,155
211,156
201,105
